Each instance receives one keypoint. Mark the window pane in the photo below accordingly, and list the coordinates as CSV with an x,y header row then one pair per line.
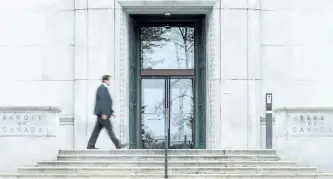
x,y
153,119
167,48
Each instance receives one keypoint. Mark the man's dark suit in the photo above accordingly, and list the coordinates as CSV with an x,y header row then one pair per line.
x,y
103,105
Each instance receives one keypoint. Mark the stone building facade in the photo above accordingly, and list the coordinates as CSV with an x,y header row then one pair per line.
x,y
54,52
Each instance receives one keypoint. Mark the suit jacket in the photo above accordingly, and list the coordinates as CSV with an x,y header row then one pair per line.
x,y
103,103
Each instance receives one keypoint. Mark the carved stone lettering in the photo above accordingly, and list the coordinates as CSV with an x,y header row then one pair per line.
x,y
18,124
311,125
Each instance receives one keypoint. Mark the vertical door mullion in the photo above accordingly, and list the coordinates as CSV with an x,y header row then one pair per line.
x,y
169,106
167,109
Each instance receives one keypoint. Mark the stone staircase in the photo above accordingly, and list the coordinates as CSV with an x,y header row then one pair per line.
x,y
219,164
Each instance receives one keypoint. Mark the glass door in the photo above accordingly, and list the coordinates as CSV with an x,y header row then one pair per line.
x,y
167,72
167,104
181,113
153,113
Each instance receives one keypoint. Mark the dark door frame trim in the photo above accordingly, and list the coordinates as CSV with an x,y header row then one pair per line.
x,y
167,72
199,126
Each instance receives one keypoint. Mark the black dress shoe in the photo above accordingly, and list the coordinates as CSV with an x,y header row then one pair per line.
x,y
121,146
89,147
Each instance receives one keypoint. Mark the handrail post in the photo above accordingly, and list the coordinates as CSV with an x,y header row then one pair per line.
x,y
166,157
166,143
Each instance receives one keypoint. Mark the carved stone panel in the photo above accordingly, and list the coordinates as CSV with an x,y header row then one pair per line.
x,y
24,124
122,73
214,80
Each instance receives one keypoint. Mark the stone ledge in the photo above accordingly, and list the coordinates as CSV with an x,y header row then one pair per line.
x,y
162,6
66,120
167,3
303,108
29,108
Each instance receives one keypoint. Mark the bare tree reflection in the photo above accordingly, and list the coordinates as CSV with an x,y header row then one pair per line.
x,y
187,43
152,38
183,40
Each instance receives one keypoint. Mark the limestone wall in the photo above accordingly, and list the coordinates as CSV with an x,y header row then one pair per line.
x,y
53,52
304,134
296,55
37,54
296,52
27,135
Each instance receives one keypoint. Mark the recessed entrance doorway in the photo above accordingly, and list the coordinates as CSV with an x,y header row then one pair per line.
x,y
167,82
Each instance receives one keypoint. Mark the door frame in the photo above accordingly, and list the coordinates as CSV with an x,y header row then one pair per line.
x,y
199,74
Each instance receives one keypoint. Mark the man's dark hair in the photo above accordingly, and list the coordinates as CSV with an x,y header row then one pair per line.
x,y
105,77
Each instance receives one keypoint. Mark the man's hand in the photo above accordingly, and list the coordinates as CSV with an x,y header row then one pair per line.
x,y
104,116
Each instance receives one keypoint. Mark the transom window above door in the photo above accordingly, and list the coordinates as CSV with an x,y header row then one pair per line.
x,y
165,47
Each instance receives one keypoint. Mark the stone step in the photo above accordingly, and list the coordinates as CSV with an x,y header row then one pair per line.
x,y
187,176
171,152
171,158
171,164
173,170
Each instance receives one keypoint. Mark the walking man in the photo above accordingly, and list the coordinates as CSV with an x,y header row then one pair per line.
x,y
103,111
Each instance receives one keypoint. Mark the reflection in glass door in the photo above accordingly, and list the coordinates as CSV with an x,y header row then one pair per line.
x,y
153,111
167,48
181,113
168,54
167,101
167,74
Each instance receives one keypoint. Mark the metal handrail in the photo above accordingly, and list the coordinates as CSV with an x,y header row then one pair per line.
x,y
166,157
166,142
